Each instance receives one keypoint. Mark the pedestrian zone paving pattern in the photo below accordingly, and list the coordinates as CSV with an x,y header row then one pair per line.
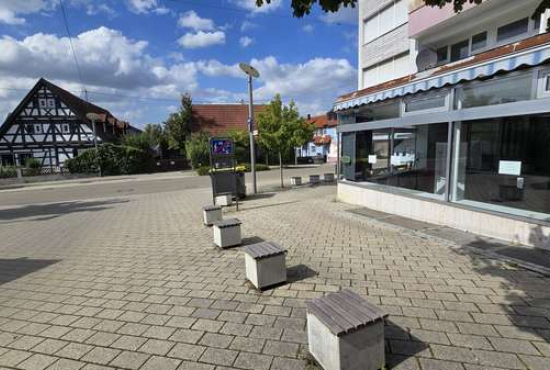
x,y
136,283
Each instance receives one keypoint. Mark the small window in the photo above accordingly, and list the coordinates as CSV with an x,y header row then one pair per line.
x,y
37,129
537,24
51,103
426,102
460,50
65,128
544,84
513,29
29,129
479,41
442,54
42,103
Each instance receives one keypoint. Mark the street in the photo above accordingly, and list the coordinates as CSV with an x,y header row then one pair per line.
x,y
123,275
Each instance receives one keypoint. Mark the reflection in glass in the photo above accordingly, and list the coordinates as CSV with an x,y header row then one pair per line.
x,y
376,112
504,162
505,90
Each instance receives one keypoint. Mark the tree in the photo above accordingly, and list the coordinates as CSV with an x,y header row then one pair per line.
x,y
157,136
198,149
303,7
242,144
281,129
179,126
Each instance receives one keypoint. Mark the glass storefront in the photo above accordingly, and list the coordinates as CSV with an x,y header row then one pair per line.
x,y
500,164
505,162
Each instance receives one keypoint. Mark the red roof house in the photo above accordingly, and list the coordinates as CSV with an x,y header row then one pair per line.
x,y
219,119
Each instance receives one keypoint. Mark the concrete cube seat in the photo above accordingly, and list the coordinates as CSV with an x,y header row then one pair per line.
x,y
225,199
296,180
328,177
314,179
227,233
346,332
212,214
265,264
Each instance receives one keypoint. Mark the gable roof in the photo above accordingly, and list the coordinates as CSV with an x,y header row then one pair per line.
x,y
222,118
77,105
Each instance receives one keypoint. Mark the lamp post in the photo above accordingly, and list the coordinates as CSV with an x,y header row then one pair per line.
x,y
94,117
251,73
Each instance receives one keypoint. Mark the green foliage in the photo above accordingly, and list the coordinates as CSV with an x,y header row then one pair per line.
x,y
157,136
113,160
7,172
33,163
242,144
198,150
179,125
303,7
282,129
259,167
203,171
139,141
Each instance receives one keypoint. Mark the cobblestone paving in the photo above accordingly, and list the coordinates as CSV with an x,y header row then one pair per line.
x,y
135,283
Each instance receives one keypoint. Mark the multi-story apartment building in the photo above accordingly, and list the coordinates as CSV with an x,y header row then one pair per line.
x,y
451,120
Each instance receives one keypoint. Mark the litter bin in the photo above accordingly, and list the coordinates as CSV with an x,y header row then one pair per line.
x,y
225,181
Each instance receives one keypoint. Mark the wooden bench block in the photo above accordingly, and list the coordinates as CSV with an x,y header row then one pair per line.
x,y
212,214
265,264
346,332
227,233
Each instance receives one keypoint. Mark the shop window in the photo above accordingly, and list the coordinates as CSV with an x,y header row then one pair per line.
x,y
513,29
502,165
427,102
460,50
479,41
377,112
500,91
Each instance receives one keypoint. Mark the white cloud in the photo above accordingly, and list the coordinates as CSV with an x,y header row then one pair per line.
x,y
192,20
214,68
308,28
247,25
10,10
346,15
146,6
202,39
245,41
251,6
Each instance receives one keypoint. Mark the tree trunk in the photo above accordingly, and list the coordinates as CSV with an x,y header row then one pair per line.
x,y
281,168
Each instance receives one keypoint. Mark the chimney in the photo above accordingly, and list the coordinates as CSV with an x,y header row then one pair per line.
x,y
309,116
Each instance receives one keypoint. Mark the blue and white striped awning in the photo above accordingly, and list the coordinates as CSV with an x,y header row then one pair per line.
x,y
426,81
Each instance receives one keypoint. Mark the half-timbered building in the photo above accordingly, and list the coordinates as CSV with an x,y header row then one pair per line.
x,y
50,125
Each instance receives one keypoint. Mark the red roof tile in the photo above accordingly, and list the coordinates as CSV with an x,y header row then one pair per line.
x,y
322,121
218,119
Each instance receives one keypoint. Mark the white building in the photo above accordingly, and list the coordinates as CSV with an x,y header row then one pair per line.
x,y
451,120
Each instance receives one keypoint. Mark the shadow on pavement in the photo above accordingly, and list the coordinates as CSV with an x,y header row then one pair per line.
x,y
43,212
13,269
400,345
299,272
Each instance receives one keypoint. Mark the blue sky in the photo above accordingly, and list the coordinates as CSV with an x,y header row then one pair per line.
x,y
138,56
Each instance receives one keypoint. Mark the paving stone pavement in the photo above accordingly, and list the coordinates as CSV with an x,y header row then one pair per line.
x,y
136,283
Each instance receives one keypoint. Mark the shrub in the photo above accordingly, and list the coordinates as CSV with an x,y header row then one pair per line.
x,y
33,163
259,167
7,172
198,150
113,159
203,171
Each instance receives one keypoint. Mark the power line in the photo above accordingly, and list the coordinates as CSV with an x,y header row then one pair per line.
x,y
66,21
238,10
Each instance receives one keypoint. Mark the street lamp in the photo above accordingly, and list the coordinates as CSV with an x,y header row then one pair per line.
x,y
94,117
251,73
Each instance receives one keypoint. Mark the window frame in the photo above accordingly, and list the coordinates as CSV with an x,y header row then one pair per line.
x,y
543,85
68,126
509,38
37,127
377,14
43,103
426,96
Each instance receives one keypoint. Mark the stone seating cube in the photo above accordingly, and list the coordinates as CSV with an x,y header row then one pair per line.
x,y
227,233
345,332
328,177
314,179
265,264
224,199
297,180
212,214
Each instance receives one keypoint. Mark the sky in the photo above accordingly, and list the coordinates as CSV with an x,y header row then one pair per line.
x,y
137,57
